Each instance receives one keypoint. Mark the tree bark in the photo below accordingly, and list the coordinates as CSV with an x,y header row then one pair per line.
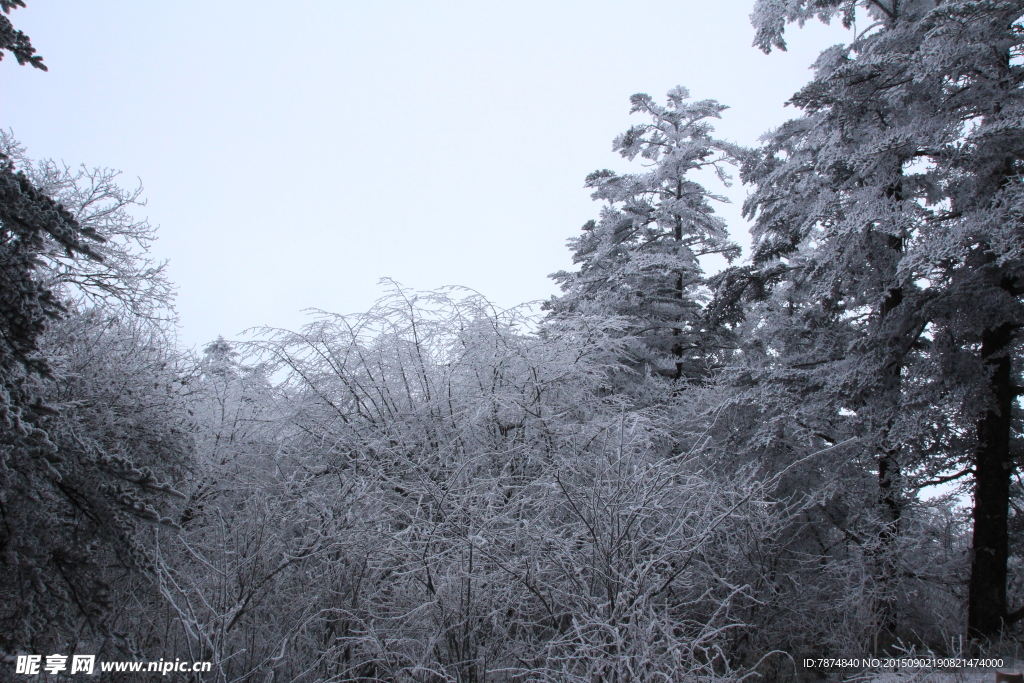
x,y
890,484
993,467
890,490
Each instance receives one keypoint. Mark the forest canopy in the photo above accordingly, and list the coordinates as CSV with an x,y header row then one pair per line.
x,y
660,474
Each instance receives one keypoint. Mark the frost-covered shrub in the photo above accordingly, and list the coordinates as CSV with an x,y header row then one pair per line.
x,y
439,494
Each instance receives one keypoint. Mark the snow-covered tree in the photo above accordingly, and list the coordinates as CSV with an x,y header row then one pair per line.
x,y
91,417
641,260
888,252
122,273
29,221
14,41
94,424
452,498
79,526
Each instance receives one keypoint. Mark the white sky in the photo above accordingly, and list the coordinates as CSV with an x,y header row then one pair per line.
x,y
295,153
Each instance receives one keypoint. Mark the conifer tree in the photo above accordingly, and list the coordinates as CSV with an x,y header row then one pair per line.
x,y
888,226
87,419
13,40
641,259
92,425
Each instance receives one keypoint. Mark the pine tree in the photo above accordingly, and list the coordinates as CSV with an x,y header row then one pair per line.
x,y
14,41
28,220
641,260
93,423
88,421
889,216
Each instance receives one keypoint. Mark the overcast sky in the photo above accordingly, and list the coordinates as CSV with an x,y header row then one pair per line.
x,y
295,153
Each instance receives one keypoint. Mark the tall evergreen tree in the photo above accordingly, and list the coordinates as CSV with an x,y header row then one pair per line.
x,y
92,419
641,260
77,453
888,217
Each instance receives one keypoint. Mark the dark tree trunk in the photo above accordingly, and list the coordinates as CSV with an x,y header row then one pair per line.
x,y
993,467
890,484
677,348
890,491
